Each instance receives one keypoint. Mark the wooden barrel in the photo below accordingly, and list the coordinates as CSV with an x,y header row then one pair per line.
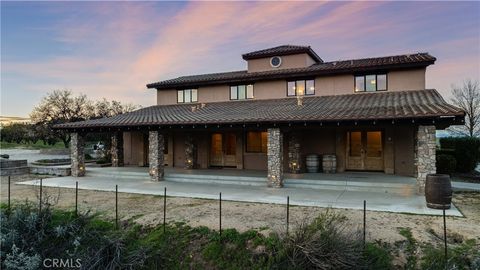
x,y
438,191
329,163
312,163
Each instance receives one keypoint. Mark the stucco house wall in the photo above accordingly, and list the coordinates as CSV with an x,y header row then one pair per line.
x,y
399,80
288,61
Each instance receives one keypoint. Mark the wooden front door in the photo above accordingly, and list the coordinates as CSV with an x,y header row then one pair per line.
x,y
223,148
365,150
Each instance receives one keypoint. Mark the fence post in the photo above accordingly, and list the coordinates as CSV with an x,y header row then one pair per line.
x,y
116,207
445,235
164,208
76,198
364,223
288,212
220,216
40,198
9,194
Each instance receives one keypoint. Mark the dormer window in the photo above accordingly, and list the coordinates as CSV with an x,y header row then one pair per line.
x,y
239,92
301,88
187,96
371,83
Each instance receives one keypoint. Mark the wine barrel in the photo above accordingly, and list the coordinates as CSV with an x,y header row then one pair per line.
x,y
438,191
313,161
329,163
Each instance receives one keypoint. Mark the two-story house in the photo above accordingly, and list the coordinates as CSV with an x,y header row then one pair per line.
x,y
372,114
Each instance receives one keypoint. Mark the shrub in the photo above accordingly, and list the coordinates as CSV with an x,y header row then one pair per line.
x,y
464,256
377,256
446,164
466,149
324,244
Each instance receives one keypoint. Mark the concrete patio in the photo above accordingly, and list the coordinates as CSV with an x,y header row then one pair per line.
x,y
344,190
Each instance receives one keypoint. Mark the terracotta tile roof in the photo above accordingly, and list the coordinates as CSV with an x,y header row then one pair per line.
x,y
334,67
283,50
352,107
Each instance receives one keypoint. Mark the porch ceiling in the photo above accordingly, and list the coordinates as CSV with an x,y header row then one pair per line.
x,y
420,104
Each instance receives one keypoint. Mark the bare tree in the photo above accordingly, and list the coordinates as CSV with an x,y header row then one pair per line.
x,y
467,97
60,106
105,108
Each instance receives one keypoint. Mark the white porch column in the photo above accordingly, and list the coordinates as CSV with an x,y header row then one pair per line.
x,y
77,155
155,155
424,155
117,149
275,158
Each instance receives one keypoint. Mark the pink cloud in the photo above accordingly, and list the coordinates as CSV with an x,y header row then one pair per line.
x,y
120,47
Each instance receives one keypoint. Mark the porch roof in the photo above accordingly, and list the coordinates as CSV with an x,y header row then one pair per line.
x,y
389,105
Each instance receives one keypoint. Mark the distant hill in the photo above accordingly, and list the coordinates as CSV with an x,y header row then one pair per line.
x,y
8,120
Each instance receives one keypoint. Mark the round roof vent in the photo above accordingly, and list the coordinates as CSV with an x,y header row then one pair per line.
x,y
276,61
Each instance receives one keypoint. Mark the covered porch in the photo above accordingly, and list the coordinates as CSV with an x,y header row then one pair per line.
x,y
391,132
389,193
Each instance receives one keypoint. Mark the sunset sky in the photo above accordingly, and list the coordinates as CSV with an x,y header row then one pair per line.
x,y
113,49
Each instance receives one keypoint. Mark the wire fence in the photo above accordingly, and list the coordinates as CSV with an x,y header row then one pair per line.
x,y
287,213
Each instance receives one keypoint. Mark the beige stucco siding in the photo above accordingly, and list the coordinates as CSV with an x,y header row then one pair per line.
x,y
324,86
406,80
166,97
288,61
334,85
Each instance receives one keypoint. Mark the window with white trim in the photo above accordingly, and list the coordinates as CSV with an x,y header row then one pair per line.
x,y
244,91
187,95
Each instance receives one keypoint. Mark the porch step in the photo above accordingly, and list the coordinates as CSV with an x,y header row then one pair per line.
x,y
216,179
198,177
373,186
124,174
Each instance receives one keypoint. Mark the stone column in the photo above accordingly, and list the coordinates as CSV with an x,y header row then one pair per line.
x,y
294,156
155,155
425,147
117,149
77,154
190,152
275,157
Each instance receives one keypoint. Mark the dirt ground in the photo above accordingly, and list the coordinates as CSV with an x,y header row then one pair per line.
x,y
148,210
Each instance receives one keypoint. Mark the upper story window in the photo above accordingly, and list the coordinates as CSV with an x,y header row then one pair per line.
x,y
241,91
371,83
301,88
187,95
